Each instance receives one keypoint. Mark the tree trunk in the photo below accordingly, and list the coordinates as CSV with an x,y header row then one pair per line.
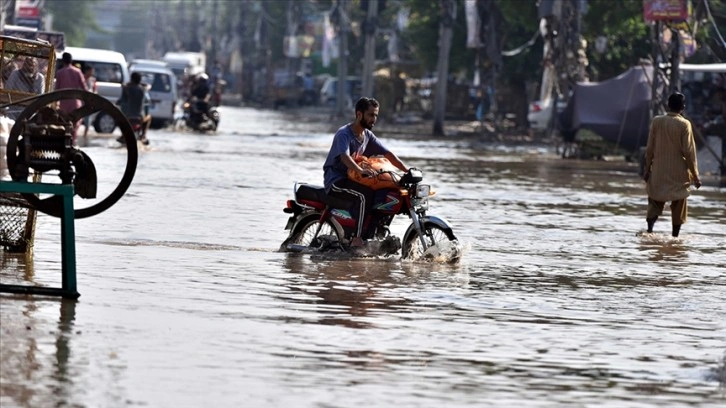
x,y
448,14
369,61
340,104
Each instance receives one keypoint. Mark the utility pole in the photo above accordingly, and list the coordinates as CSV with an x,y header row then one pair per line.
x,y
448,15
675,80
241,31
268,56
2,14
215,34
369,61
655,99
343,27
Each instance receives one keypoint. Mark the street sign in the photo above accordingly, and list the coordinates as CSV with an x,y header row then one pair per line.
x,y
27,12
34,23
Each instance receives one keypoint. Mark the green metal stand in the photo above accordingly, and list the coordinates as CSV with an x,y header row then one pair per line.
x,y
68,239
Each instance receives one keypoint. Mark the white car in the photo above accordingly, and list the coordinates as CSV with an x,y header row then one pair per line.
x,y
329,90
540,113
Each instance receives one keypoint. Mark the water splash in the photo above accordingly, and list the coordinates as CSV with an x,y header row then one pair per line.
x,y
448,252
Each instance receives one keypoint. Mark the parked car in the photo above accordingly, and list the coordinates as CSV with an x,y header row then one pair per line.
x,y
540,115
329,90
111,71
164,93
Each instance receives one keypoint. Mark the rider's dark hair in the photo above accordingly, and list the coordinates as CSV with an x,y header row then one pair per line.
x,y
136,77
676,102
67,58
364,103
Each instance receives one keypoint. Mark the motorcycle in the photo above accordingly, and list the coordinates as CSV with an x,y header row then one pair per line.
x,y
198,118
136,123
320,223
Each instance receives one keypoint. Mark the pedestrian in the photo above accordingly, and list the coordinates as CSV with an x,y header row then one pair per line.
x,y
70,77
88,75
351,142
8,67
25,79
135,102
670,164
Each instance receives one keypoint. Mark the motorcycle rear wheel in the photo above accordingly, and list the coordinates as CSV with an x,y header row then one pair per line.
x,y
304,234
433,234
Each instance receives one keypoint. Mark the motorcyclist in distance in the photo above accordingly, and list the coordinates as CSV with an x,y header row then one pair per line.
x,y
201,94
134,102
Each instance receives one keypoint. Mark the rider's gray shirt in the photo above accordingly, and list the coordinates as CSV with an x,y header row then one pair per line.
x,y
345,141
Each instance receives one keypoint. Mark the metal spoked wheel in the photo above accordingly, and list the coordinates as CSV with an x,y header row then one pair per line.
x,y
92,103
433,235
305,234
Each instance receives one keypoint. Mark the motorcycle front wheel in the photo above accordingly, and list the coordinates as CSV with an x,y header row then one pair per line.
x,y
433,235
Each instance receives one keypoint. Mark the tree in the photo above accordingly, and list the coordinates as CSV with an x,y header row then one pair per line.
x,y
448,15
628,36
74,18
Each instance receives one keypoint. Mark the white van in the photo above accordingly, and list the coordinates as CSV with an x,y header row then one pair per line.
x,y
111,72
164,93
185,64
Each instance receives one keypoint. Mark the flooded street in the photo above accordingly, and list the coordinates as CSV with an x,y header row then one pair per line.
x,y
187,302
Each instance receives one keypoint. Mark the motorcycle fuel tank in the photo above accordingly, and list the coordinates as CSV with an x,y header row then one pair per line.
x,y
388,201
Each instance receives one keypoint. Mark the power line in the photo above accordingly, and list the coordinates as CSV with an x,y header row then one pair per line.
x,y
715,27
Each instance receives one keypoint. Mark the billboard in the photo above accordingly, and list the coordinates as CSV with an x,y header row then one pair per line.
x,y
665,10
58,39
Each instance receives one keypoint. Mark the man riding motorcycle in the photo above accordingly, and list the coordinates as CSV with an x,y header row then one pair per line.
x,y
354,141
200,94
134,102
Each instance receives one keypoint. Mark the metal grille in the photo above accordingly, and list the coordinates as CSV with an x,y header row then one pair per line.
x,y
17,223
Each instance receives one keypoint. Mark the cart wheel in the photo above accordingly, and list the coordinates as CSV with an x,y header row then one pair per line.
x,y
92,103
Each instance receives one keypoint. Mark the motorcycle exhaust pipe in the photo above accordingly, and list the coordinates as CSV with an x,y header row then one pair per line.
x,y
296,248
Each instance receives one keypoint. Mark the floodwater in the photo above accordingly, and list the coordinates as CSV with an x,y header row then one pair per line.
x,y
186,301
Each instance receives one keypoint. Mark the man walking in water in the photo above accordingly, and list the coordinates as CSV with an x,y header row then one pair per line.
x,y
70,77
350,142
670,164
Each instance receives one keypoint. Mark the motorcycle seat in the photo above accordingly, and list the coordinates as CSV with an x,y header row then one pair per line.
x,y
310,192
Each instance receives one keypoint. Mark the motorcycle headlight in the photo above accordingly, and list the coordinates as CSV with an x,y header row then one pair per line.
x,y
423,190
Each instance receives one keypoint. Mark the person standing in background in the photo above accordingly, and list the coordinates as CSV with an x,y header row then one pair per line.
x,y
88,75
670,164
25,79
70,77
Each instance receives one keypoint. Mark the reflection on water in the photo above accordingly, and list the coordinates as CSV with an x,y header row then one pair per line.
x,y
34,370
664,248
558,299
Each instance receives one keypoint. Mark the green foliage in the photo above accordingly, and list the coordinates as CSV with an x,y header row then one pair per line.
x,y
628,36
710,47
74,18
521,25
422,37
135,27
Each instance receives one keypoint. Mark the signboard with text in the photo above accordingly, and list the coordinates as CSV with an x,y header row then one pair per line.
x,y
58,39
665,10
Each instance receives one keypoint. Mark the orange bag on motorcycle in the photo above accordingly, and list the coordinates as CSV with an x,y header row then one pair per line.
x,y
387,178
